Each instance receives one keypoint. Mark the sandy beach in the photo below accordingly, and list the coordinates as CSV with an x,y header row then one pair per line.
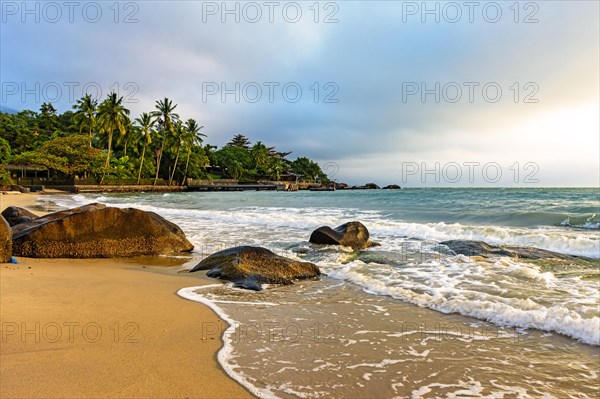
x,y
104,328
24,200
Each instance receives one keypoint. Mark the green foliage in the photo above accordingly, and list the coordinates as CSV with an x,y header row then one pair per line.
x,y
5,179
239,140
112,117
260,154
122,168
309,170
4,151
236,161
22,131
70,155
101,140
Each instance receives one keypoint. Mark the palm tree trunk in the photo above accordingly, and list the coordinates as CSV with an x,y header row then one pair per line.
x,y
175,166
107,163
141,164
90,134
158,159
187,162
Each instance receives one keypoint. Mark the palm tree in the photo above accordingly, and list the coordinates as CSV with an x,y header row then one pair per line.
x,y
178,137
165,117
146,129
260,154
85,114
192,137
112,115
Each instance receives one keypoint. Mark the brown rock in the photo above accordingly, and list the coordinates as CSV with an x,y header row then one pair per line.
x,y
5,241
15,215
249,267
485,250
97,231
351,234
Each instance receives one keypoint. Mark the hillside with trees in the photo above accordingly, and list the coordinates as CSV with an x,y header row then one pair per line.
x,y
101,141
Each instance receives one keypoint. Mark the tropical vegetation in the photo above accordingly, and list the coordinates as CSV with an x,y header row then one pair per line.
x,y
102,141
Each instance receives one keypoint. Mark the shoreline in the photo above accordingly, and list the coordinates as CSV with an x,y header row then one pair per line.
x,y
119,318
334,325
23,200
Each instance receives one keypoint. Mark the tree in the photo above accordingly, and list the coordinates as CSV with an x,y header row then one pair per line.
x,y
146,130
165,117
310,170
85,115
48,119
112,116
277,164
239,140
178,137
70,155
260,154
192,137
20,131
236,160
5,151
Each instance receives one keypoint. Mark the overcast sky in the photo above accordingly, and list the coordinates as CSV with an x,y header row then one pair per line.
x,y
447,93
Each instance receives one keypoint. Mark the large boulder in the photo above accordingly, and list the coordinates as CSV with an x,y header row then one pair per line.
x,y
485,250
392,187
97,231
15,215
5,241
351,234
249,267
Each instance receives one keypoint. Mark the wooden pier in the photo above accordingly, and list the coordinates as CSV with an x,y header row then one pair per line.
x,y
232,185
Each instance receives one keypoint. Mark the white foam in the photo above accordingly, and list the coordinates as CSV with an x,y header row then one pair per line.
x,y
379,365
566,306
575,242
226,353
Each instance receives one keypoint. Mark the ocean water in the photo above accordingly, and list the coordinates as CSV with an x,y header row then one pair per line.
x,y
408,318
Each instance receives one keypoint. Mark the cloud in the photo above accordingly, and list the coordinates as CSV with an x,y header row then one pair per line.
x,y
366,61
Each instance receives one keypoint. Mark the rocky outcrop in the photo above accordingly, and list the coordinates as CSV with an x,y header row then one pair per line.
x,y
392,187
371,186
97,231
250,267
351,234
15,215
5,241
485,250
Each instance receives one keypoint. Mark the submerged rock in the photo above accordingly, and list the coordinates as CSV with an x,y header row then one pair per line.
x,y
5,241
15,215
97,231
485,250
250,267
351,234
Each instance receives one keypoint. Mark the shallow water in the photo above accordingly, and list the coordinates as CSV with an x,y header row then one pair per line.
x,y
328,339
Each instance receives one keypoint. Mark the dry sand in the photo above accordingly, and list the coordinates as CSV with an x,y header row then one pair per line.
x,y
24,200
105,329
